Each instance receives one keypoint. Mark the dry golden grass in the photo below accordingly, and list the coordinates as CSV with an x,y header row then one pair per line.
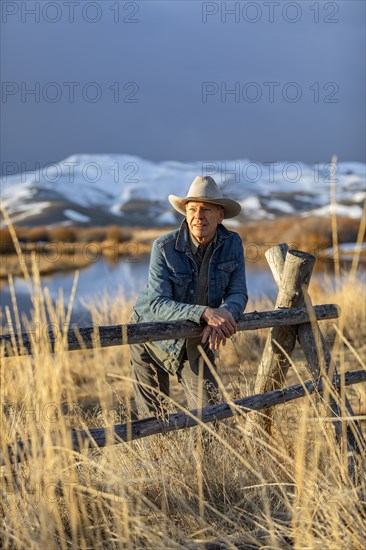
x,y
312,234
291,489
180,490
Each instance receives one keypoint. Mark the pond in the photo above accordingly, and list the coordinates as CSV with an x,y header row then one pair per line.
x,y
103,276
126,276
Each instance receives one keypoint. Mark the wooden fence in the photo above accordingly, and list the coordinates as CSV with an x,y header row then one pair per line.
x,y
294,319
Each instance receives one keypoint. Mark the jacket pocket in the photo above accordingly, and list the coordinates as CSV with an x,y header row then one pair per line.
x,y
225,269
181,284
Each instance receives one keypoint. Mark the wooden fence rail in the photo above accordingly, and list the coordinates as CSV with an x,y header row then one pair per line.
x,y
137,429
104,336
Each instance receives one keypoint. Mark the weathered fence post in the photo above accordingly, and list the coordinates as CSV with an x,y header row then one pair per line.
x,y
292,271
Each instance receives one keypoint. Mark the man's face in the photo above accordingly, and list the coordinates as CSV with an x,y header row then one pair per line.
x,y
203,219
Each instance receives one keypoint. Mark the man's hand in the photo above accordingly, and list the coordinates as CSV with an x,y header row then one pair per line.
x,y
220,325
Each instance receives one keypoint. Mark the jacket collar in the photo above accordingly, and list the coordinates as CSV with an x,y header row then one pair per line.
x,y
182,242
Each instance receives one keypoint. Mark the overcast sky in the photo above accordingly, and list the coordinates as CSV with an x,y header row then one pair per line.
x,y
153,78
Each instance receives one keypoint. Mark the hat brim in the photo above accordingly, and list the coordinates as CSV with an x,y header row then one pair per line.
x,y
231,207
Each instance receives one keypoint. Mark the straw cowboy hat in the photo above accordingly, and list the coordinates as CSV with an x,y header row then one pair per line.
x,y
205,189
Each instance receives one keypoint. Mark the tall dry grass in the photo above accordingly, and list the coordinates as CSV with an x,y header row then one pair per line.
x,y
290,489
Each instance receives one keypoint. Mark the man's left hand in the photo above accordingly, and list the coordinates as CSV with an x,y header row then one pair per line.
x,y
215,337
220,326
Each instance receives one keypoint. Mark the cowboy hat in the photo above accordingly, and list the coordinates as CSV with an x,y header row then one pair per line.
x,y
205,189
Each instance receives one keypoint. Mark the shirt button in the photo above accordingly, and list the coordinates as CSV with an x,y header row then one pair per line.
x,y
191,291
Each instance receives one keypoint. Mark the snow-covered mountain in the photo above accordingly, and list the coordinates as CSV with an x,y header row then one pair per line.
x,y
128,190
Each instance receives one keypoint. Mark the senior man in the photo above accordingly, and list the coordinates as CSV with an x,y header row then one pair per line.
x,y
196,272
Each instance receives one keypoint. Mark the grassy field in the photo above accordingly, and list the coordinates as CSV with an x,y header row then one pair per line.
x,y
287,489
181,490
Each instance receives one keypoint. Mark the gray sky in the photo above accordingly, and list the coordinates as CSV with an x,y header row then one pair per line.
x,y
152,78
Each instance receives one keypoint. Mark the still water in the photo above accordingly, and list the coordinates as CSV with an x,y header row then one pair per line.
x,y
127,277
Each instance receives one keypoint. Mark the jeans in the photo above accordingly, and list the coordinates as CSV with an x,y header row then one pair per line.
x,y
151,382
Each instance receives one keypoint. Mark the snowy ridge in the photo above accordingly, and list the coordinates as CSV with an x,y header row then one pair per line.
x,y
129,190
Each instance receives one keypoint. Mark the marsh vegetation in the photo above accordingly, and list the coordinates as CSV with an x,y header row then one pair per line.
x,y
290,488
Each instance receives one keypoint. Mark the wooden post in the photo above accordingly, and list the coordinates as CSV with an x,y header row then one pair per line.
x,y
292,278
292,270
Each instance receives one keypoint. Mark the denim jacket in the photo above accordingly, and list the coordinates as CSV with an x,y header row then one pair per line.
x,y
173,284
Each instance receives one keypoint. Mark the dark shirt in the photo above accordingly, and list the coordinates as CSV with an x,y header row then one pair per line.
x,y
202,255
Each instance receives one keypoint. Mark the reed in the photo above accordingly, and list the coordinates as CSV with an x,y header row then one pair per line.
x,y
180,490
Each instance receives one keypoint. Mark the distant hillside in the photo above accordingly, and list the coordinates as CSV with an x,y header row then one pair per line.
x,y
96,190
